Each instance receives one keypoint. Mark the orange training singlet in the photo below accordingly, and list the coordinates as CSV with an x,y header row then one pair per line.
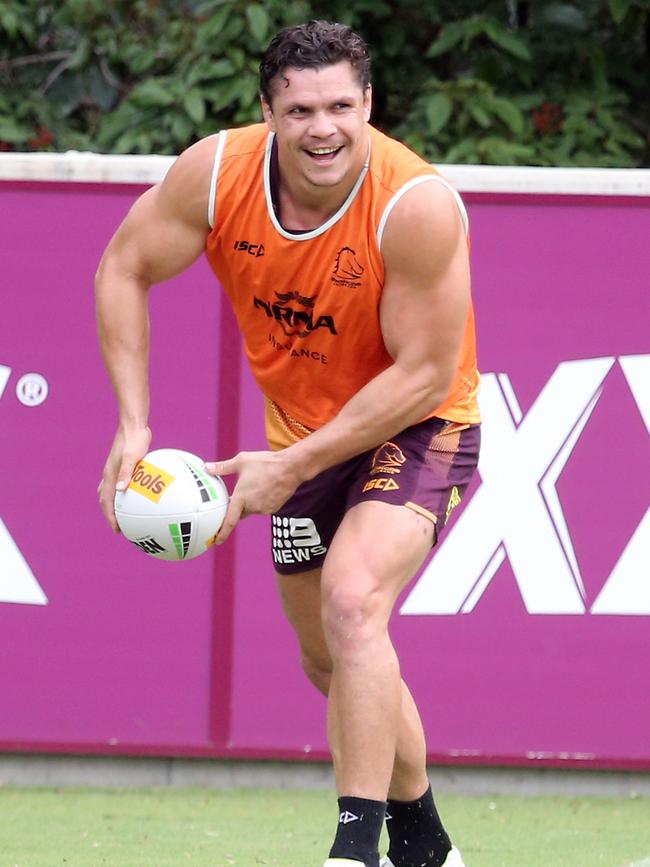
x,y
308,303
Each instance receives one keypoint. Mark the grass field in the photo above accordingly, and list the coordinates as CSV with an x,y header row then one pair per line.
x,y
290,828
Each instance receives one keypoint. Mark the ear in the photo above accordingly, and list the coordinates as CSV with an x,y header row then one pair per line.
x,y
367,103
267,113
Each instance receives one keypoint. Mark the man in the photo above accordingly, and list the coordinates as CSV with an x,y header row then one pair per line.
x,y
345,257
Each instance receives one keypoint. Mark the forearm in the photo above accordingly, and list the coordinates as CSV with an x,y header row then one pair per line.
x,y
389,403
123,329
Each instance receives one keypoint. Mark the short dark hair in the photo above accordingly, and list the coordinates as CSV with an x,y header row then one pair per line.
x,y
312,45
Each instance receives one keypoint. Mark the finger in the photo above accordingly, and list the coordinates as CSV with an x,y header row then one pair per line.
x,y
223,468
234,514
107,505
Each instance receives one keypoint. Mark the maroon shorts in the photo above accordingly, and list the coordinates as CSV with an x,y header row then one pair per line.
x,y
426,467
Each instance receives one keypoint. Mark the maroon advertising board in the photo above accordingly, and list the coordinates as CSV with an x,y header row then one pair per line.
x,y
525,638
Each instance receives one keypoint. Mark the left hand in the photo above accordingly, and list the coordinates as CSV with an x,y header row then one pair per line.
x,y
266,481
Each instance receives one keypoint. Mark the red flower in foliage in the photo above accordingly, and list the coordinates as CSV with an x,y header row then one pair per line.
x,y
43,138
548,118
6,146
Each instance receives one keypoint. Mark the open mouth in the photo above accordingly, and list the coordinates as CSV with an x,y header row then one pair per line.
x,y
323,154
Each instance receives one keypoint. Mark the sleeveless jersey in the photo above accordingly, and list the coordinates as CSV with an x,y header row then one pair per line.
x,y
307,303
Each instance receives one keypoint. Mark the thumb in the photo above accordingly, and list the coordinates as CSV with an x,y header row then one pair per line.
x,y
127,468
223,468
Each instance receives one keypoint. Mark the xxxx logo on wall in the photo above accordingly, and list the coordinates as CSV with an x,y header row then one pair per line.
x,y
150,481
517,514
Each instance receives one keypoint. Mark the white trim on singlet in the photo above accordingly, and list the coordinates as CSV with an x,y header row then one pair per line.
x,y
212,198
414,183
313,233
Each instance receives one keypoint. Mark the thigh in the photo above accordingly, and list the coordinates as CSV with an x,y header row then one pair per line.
x,y
398,503
375,552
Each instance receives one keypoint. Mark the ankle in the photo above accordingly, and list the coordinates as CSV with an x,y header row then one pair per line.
x,y
357,834
416,833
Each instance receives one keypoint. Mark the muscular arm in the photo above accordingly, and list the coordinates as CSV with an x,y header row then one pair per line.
x,y
423,315
162,235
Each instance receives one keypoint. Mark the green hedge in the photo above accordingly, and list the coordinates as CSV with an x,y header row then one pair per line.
x,y
507,82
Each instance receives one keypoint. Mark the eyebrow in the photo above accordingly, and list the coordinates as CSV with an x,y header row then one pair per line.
x,y
298,104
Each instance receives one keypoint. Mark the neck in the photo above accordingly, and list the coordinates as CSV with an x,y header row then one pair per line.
x,y
304,206
303,211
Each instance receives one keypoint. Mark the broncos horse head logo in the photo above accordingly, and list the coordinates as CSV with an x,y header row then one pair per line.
x,y
387,459
347,267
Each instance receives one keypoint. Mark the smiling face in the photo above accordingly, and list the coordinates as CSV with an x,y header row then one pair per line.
x,y
319,116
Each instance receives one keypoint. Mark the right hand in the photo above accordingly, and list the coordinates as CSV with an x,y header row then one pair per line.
x,y
129,446
265,482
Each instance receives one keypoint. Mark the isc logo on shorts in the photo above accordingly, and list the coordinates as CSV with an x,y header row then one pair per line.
x,y
150,481
380,484
295,540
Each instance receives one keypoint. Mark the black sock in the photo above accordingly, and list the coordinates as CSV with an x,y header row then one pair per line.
x,y
357,835
417,838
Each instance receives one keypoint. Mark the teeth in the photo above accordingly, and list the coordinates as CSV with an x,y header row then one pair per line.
x,y
323,150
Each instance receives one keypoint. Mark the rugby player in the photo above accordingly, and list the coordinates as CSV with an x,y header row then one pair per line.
x,y
345,257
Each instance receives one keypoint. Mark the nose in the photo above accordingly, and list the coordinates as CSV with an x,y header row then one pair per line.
x,y
321,125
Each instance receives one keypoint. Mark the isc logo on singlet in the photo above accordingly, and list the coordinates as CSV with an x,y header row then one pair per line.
x,y
295,540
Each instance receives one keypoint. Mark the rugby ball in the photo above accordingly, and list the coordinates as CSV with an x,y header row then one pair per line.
x,y
173,508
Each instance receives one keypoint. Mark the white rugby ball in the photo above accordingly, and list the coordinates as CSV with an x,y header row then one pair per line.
x,y
172,508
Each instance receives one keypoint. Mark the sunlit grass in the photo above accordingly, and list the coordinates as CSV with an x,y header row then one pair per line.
x,y
75,827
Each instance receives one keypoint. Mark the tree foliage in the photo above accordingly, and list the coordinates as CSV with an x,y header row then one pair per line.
x,y
502,82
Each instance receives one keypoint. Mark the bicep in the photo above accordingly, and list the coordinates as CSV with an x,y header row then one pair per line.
x,y
426,293
153,243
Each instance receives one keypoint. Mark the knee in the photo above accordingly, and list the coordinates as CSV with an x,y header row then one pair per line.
x,y
318,670
353,612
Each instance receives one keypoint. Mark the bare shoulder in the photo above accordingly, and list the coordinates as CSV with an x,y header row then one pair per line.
x,y
185,189
425,223
426,292
166,227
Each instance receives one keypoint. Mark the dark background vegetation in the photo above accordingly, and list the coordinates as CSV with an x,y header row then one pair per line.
x,y
510,82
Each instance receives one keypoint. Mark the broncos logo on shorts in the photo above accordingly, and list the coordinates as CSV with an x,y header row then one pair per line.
x,y
387,459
